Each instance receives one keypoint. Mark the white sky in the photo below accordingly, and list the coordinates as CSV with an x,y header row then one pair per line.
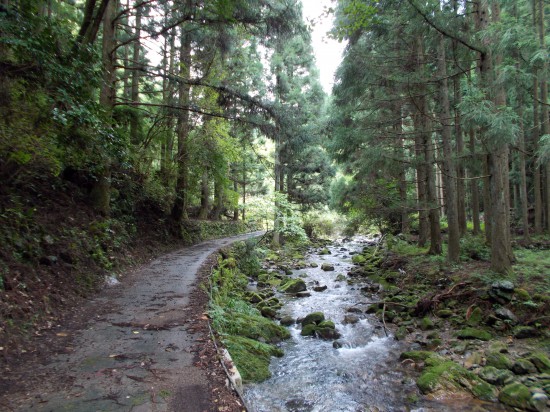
x,y
328,52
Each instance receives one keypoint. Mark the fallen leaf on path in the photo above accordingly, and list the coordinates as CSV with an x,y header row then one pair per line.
x,y
136,332
62,334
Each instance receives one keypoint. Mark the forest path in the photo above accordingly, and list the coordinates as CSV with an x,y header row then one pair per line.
x,y
135,350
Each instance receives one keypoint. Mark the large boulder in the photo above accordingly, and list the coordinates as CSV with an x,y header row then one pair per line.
x,y
327,267
516,395
293,286
314,318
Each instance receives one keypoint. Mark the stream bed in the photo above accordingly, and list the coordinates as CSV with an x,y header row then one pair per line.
x,y
313,375
364,374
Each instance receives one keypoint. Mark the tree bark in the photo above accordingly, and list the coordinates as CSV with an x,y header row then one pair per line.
x,y
545,116
428,157
179,210
134,97
205,196
101,191
474,188
449,169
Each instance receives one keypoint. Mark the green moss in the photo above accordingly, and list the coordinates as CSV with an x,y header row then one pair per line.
x,y
472,333
293,286
541,361
252,326
450,375
516,395
358,259
498,360
476,317
445,313
313,318
308,330
251,357
522,294
327,324
426,324
417,355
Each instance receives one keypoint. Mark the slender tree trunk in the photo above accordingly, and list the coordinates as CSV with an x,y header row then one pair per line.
x,y
501,247
101,191
449,169
205,196
134,120
545,116
537,178
218,199
460,170
474,187
523,177
428,156
401,176
236,209
278,189
179,210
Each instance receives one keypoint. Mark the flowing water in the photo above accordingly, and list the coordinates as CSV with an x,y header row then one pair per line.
x,y
314,376
363,375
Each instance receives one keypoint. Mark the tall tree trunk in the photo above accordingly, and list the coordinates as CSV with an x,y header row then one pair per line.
x,y
428,156
523,176
501,246
545,116
205,196
218,199
101,191
236,209
449,170
134,120
401,176
423,223
460,170
537,178
179,210
278,189
474,187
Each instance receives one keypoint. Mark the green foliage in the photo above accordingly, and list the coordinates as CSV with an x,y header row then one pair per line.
x,y
323,223
248,336
474,247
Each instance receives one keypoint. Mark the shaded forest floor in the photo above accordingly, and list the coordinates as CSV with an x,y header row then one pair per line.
x,y
56,252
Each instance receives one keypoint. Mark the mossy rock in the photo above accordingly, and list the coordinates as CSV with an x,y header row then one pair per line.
x,y
327,267
426,324
327,324
418,355
524,332
522,294
541,362
340,278
472,333
324,251
358,259
498,360
515,395
444,313
308,330
448,375
523,366
327,333
251,326
314,318
293,286
495,376
251,357
475,317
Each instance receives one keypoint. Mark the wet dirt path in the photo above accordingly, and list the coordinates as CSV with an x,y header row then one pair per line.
x,y
138,353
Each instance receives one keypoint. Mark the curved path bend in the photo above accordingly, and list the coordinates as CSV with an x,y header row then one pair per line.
x,y
138,354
